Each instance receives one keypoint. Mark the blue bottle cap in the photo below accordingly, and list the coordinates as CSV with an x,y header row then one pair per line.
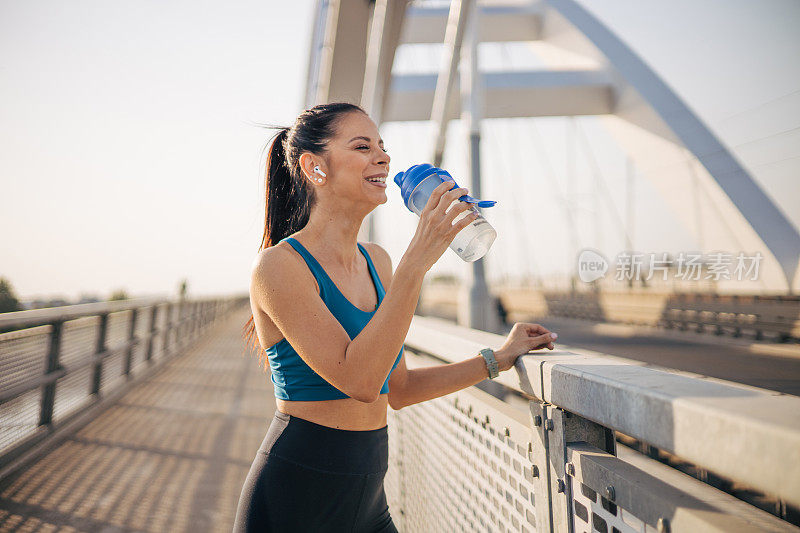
x,y
408,180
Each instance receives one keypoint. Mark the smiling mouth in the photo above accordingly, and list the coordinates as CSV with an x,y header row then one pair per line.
x,y
381,184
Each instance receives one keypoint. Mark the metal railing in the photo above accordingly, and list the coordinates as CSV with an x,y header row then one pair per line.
x,y
760,317
546,457
58,364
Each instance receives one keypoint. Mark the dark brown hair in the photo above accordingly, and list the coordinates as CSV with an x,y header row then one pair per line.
x,y
289,195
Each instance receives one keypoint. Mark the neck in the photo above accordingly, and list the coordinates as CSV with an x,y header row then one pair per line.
x,y
335,236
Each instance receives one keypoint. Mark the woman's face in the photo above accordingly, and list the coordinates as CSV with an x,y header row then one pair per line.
x,y
355,153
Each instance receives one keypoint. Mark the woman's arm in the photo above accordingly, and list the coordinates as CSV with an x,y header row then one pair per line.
x,y
407,387
386,331
374,350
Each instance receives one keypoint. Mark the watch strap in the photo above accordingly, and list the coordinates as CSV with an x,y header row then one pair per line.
x,y
491,362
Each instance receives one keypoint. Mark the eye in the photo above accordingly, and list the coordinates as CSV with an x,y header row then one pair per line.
x,y
367,147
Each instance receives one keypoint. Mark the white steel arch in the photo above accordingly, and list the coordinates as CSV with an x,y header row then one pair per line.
x,y
351,61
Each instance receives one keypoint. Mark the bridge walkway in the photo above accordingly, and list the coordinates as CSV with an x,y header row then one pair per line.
x,y
170,455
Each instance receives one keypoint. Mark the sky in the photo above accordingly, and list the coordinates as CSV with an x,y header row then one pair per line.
x,y
130,156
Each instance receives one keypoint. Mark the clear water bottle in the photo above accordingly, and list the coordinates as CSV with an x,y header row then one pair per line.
x,y
416,185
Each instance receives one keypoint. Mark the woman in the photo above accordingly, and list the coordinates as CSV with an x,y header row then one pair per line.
x,y
334,334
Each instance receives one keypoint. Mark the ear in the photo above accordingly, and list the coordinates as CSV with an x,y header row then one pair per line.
x,y
307,165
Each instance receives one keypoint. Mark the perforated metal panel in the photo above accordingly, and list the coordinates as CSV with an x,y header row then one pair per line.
x,y
142,330
166,339
592,512
78,340
19,417
158,339
72,393
23,356
452,469
119,325
118,328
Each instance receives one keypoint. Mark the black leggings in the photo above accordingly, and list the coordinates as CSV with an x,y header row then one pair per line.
x,y
310,477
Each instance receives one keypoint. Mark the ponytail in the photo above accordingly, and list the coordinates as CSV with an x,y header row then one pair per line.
x,y
289,195
286,211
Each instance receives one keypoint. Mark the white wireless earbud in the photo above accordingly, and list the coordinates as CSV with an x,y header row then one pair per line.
x,y
321,173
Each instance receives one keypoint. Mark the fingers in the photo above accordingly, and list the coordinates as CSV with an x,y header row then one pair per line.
x,y
449,197
535,329
543,341
461,224
433,199
539,336
456,210
546,338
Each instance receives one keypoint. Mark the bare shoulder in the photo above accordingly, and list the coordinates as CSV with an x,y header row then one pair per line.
x,y
277,266
382,261
269,261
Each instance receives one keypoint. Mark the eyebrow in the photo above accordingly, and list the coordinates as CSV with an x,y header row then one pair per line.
x,y
365,138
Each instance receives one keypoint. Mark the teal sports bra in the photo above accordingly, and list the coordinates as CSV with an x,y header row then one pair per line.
x,y
292,378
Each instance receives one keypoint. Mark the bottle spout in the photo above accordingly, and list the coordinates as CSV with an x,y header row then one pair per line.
x,y
481,203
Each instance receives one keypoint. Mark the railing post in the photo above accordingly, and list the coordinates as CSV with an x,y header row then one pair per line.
x,y
99,349
564,428
195,319
151,336
189,321
52,364
176,328
167,328
539,456
199,315
180,330
131,338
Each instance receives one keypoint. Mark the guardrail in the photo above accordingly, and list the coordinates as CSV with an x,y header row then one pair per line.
x,y
66,361
777,317
547,456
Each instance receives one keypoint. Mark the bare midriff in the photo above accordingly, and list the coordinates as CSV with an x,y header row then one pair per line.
x,y
344,413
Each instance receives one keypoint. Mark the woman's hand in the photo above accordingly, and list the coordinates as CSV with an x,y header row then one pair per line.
x,y
522,339
436,230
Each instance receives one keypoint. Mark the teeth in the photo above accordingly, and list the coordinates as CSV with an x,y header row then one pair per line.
x,y
382,180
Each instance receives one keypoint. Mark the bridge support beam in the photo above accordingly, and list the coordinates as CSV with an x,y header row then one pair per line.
x,y
456,23
344,52
384,36
481,311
